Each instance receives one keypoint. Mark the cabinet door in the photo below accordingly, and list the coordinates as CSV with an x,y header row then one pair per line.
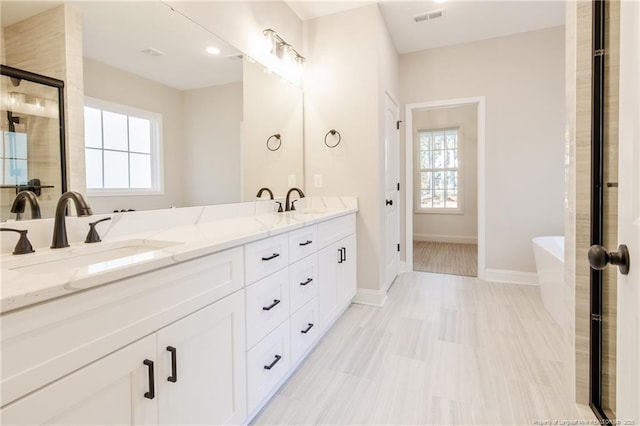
x,y
328,259
347,271
110,391
201,370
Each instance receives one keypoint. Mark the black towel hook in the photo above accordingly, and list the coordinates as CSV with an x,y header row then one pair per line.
x,y
332,132
276,136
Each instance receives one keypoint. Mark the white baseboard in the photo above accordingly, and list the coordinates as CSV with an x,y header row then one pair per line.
x,y
370,297
456,239
512,277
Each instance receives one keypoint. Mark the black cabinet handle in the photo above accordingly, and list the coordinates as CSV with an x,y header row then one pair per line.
x,y
340,259
152,385
344,254
307,281
273,256
270,366
271,306
307,329
306,243
174,364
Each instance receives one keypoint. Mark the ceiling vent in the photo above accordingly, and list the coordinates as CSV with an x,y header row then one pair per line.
x,y
150,51
428,16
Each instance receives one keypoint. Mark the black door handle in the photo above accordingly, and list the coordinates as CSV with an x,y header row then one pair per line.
x,y
174,364
599,258
273,256
270,366
271,306
389,202
152,385
306,243
305,331
307,281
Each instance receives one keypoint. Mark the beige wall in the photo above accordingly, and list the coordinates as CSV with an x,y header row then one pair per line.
x,y
344,83
270,106
460,228
211,166
104,82
522,77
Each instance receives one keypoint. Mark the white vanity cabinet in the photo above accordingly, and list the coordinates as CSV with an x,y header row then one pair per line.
x,y
337,268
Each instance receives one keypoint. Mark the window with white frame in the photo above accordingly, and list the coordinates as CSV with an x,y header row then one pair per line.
x,y
122,149
438,171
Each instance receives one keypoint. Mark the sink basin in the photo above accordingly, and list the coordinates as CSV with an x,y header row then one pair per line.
x,y
312,211
95,257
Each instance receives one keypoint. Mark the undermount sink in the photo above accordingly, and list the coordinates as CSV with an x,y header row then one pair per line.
x,y
95,257
311,211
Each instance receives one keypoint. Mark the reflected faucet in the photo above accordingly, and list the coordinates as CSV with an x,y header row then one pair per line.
x,y
20,201
289,206
259,194
59,225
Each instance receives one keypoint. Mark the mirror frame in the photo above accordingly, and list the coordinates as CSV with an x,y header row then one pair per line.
x,y
58,84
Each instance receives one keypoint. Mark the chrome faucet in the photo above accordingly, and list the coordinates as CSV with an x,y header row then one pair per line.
x,y
20,201
263,190
289,206
59,226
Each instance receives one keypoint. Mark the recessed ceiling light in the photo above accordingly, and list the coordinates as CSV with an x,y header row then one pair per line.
x,y
213,50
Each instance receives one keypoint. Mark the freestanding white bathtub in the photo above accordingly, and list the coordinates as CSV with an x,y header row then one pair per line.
x,y
549,254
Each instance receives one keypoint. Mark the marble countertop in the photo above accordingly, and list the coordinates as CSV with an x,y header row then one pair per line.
x,y
48,273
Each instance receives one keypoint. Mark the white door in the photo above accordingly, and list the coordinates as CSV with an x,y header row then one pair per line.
x,y
201,370
391,192
628,350
115,390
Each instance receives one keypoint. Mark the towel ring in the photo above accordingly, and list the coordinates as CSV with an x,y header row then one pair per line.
x,y
332,132
276,136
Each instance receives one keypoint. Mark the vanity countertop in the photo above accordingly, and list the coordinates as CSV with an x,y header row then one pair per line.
x,y
47,274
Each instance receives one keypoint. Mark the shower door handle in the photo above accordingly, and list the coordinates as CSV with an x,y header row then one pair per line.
x,y
599,258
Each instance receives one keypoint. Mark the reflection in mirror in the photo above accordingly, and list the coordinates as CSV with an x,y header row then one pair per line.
x,y
272,149
143,59
30,144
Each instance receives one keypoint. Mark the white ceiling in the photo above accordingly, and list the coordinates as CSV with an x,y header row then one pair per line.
x,y
464,21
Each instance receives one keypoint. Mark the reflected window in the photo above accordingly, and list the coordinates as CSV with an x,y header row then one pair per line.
x,y
438,186
122,149
13,153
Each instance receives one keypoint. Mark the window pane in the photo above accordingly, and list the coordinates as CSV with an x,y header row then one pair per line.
x,y
15,171
115,131
15,145
452,199
92,128
438,140
116,170
451,159
425,159
425,141
438,180
438,159
438,199
93,164
140,170
452,180
425,199
425,180
139,135
452,138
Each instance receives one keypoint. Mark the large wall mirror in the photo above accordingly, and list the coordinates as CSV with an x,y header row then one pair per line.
x,y
168,123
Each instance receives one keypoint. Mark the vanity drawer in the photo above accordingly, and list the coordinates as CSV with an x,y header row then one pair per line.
x,y
303,281
304,329
335,229
267,305
267,363
303,242
265,257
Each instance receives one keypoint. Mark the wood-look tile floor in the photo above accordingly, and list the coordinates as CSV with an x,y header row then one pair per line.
x,y
445,258
444,350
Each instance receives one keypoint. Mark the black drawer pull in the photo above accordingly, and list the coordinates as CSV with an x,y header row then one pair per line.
x,y
271,306
307,281
307,329
341,256
273,256
174,364
344,254
306,243
270,366
152,385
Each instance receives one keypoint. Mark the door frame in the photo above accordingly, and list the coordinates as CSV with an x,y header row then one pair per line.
x,y
383,266
480,103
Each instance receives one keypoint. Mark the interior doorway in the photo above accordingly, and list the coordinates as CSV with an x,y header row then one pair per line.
x,y
445,186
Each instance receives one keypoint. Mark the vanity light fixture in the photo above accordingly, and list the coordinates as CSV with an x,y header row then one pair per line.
x,y
287,61
213,50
